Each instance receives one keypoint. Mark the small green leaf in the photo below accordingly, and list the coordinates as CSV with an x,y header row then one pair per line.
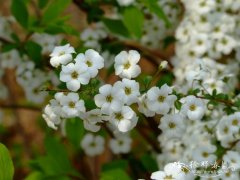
x,y
116,27
122,164
42,3
133,19
165,79
54,9
154,7
20,12
178,105
114,174
149,163
75,131
34,52
6,164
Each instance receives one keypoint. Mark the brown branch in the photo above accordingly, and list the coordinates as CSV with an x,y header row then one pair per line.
x,y
229,103
36,9
18,106
145,135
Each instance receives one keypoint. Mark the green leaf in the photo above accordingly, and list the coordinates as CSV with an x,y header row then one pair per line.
x,y
121,164
114,174
133,19
34,52
56,161
116,27
42,3
149,163
178,105
154,7
35,176
20,12
165,79
75,131
54,9
6,164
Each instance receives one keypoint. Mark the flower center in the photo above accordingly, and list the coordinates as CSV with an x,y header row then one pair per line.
x,y
161,98
235,122
168,177
61,53
225,130
93,144
203,4
71,104
127,90
191,53
185,170
74,75
192,107
205,154
118,116
120,142
127,65
109,98
224,41
89,63
199,42
228,174
171,125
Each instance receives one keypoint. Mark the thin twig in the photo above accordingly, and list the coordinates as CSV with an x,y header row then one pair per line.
x,y
2,39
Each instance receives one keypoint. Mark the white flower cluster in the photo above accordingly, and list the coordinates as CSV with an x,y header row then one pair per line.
x,y
205,59
155,30
94,145
28,76
46,41
208,34
92,37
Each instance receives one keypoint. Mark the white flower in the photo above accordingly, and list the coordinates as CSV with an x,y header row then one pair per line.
x,y
93,61
10,59
128,90
92,145
234,121
171,171
124,119
61,55
72,105
52,119
75,75
143,107
225,44
91,120
229,175
126,64
193,108
224,132
232,158
108,100
120,145
172,125
205,153
163,65
159,100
